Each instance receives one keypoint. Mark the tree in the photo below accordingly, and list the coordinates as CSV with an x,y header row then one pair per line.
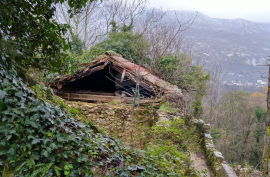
x,y
30,37
94,23
266,152
192,79
237,122
131,46
76,45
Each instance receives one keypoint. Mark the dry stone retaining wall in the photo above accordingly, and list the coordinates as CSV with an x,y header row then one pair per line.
x,y
116,119
219,166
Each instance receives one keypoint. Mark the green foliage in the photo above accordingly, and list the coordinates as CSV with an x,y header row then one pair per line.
x,y
127,28
170,144
114,26
180,71
46,95
89,55
168,107
131,46
169,63
76,45
199,81
39,138
215,134
260,114
238,127
30,37
68,168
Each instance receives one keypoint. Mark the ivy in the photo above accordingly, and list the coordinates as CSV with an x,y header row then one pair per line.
x,y
41,138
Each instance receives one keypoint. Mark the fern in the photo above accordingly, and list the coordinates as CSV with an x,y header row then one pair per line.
x,y
19,169
36,172
47,168
41,165
57,170
31,162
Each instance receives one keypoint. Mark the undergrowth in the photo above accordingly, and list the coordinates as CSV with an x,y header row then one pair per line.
x,y
39,136
168,107
171,143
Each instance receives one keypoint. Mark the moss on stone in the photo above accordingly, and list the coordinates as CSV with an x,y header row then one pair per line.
x,y
268,130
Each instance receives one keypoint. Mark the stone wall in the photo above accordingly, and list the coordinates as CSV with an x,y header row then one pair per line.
x,y
215,159
116,119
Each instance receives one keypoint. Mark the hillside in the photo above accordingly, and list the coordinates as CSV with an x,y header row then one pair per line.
x,y
42,136
129,103
237,46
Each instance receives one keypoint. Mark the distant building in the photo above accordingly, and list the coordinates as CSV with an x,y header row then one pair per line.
x,y
240,84
261,82
249,84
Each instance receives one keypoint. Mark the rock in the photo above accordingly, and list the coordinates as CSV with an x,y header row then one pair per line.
x,y
207,128
218,156
201,121
209,146
208,136
227,170
97,172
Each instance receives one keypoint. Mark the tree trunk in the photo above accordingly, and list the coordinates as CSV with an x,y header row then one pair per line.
x,y
266,153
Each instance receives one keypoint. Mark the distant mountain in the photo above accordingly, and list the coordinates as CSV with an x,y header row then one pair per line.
x,y
239,26
237,45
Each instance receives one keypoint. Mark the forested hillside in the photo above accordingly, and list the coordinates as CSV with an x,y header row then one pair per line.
x,y
53,49
42,136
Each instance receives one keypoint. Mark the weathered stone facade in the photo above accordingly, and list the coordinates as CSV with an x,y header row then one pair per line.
x,y
116,119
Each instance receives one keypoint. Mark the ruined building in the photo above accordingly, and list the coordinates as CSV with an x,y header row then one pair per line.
x,y
113,78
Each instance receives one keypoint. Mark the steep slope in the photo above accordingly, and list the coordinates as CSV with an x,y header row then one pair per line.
x,y
40,138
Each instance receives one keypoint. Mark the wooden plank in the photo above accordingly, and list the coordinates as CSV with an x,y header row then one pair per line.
x,y
123,75
86,92
101,98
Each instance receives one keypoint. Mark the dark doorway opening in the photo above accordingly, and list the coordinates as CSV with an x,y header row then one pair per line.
x,y
100,81
105,82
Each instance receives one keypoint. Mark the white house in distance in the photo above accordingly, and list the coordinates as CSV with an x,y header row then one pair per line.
x,y
261,82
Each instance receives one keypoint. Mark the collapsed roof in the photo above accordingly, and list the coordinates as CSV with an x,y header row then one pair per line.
x,y
111,77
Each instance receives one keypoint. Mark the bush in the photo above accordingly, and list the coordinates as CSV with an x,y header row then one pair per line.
x,y
170,144
179,70
131,46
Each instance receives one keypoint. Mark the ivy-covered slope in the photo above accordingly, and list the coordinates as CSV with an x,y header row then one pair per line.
x,y
38,138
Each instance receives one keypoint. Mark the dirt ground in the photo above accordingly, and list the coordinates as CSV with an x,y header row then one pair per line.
x,y
200,163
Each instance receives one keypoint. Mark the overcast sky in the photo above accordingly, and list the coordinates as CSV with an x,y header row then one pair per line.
x,y
253,10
